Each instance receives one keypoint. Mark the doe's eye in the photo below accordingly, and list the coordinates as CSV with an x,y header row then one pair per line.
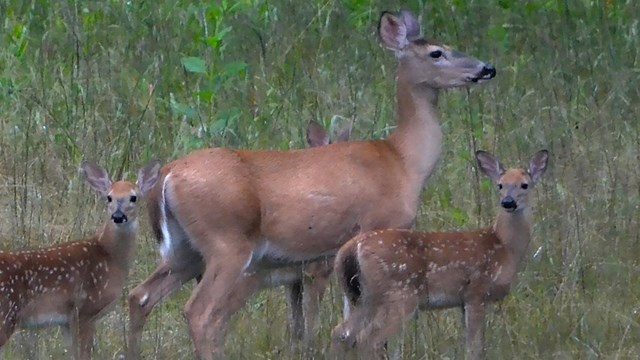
x,y
524,186
435,54
109,198
500,186
133,198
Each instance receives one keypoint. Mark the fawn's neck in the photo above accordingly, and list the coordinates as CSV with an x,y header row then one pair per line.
x,y
418,137
514,231
119,242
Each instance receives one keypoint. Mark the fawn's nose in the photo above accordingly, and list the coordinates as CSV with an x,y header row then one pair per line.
x,y
509,203
119,217
488,72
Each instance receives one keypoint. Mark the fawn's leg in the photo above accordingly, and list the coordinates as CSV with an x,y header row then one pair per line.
x,y
314,284
294,307
474,317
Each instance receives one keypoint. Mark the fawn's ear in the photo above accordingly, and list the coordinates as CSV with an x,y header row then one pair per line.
x,y
538,165
411,23
97,177
345,134
148,176
489,165
316,135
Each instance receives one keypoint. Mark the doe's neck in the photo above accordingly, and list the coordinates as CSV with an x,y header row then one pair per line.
x,y
418,137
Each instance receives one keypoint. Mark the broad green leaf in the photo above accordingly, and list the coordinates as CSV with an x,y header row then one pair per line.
x,y
225,120
235,68
194,65
182,109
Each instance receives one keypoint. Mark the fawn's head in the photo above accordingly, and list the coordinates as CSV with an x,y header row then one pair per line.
x,y
513,184
122,196
427,62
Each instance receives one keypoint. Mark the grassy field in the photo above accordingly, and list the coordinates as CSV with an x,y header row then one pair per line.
x,y
122,82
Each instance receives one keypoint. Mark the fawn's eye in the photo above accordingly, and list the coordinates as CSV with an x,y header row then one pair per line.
x,y
435,54
133,198
500,186
109,198
524,186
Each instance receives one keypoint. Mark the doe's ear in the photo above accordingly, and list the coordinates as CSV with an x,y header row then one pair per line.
x,y
97,177
538,165
393,32
148,176
490,165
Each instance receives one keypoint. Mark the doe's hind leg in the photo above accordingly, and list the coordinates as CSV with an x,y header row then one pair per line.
x,y
344,335
165,280
390,314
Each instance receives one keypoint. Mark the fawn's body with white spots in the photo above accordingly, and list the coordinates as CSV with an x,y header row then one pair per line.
x,y
238,214
386,275
73,284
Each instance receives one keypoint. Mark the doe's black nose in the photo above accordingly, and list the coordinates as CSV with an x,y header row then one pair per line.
x,y
488,72
509,203
119,217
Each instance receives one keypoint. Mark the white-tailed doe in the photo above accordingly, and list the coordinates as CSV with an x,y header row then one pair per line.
x,y
244,213
72,285
386,275
305,284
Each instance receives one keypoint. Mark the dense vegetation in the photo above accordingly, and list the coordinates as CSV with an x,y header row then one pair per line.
x,y
122,82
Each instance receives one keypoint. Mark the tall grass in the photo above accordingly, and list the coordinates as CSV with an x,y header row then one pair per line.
x,y
121,82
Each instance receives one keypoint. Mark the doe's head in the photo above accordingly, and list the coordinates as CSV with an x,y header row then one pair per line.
x,y
428,62
122,196
513,184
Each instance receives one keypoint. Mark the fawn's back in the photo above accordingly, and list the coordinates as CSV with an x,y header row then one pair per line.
x,y
441,269
43,287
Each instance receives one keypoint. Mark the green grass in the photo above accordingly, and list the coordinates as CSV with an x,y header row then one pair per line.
x,y
122,82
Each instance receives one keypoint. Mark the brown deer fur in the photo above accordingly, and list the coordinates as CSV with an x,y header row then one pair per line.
x,y
243,213
306,285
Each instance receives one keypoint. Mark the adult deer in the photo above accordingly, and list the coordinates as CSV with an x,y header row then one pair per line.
x,y
73,284
305,284
243,212
386,275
